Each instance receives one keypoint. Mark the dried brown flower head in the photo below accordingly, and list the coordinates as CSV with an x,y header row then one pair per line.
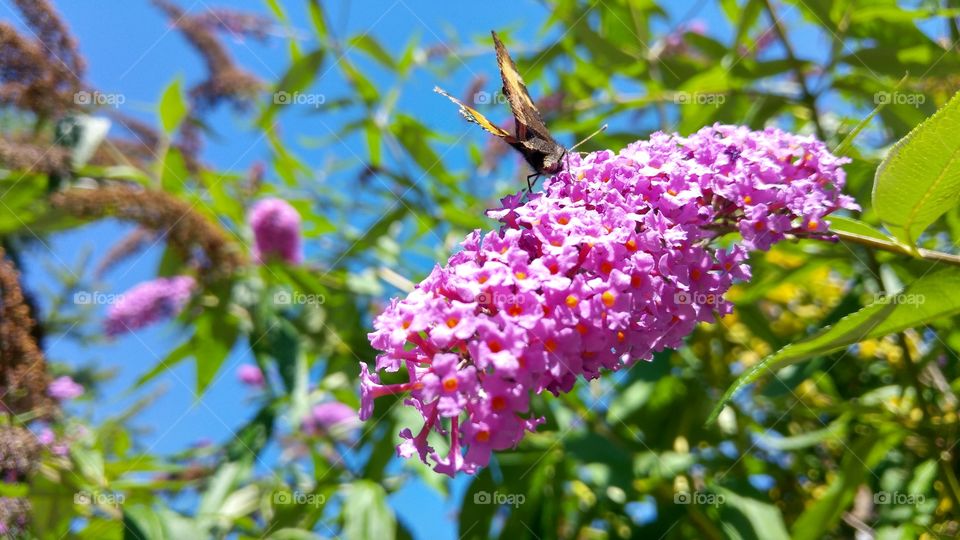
x,y
41,74
34,158
19,453
23,374
225,80
179,222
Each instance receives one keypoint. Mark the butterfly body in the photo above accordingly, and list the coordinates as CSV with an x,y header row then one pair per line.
x,y
531,137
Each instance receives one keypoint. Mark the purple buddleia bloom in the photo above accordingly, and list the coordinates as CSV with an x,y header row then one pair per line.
x,y
276,231
610,263
148,302
332,418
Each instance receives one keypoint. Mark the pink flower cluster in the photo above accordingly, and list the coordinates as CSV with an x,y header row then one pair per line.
x,y
64,388
276,231
147,303
610,263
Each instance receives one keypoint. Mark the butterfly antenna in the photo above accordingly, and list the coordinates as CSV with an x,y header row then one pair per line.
x,y
592,135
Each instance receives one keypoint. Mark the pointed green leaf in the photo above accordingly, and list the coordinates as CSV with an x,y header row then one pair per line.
x,y
366,513
931,297
173,107
920,178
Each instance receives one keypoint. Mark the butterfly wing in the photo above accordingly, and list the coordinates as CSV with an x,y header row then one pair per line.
x,y
472,115
522,106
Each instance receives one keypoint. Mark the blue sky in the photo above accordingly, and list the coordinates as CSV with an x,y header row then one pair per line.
x,y
132,50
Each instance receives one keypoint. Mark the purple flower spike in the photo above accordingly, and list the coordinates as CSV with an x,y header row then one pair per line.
x,y
611,263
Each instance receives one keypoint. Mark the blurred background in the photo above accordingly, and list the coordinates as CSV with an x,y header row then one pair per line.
x,y
209,108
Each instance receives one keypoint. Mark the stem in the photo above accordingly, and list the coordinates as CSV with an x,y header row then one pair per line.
x,y
899,249
808,98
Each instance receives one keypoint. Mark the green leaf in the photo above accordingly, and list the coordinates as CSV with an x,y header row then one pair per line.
x,y
476,512
366,513
369,45
858,228
142,523
920,178
253,437
929,298
864,453
89,462
293,534
215,337
847,142
173,106
763,520
296,79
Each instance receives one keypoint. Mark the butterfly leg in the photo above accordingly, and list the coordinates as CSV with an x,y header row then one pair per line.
x,y
530,183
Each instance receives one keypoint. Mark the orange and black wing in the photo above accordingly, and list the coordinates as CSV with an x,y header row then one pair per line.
x,y
472,115
522,106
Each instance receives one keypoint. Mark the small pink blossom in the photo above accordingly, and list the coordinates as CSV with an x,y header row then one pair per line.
x,y
276,231
251,375
64,388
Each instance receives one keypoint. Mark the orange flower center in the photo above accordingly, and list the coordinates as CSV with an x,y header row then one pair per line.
x,y
608,299
499,403
450,384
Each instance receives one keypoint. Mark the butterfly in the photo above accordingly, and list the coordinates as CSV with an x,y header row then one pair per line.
x,y
531,137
